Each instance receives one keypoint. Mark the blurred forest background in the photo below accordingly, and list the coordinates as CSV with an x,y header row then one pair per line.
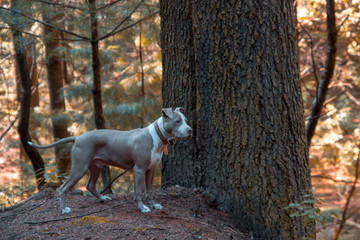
x,y
130,56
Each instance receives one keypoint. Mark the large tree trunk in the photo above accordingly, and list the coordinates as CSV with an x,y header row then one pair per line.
x,y
55,76
25,102
233,66
96,90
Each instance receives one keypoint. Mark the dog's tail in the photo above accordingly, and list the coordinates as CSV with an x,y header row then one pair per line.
x,y
64,140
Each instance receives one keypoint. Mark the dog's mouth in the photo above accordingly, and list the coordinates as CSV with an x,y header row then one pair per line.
x,y
188,136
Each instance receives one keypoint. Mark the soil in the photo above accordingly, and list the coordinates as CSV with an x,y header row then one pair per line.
x,y
185,215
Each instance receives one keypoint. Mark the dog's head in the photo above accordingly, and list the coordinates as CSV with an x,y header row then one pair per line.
x,y
175,122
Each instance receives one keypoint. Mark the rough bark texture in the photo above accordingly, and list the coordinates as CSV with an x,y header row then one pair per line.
x,y
55,80
233,66
25,103
96,90
330,62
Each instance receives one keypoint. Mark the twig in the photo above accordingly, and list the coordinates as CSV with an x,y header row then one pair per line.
x,y
8,128
77,216
309,118
112,182
36,195
344,218
7,57
352,213
121,23
109,5
331,179
127,27
333,98
338,29
312,53
352,98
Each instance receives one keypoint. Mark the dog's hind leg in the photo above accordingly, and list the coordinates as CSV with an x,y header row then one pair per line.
x,y
91,184
65,188
76,173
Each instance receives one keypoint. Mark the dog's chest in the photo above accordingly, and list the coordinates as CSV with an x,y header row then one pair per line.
x,y
155,159
157,149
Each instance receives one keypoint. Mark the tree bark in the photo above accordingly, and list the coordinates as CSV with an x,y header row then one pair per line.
x,y
25,103
55,80
330,62
96,90
233,66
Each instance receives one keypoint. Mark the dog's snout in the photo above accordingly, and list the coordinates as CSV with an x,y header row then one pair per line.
x,y
190,131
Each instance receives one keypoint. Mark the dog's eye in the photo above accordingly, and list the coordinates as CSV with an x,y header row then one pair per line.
x,y
178,121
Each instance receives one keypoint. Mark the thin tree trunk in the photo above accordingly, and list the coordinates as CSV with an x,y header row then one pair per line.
x,y
67,80
330,62
55,80
233,66
96,90
32,65
25,103
142,80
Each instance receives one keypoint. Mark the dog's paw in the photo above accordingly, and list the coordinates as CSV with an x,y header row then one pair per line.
x,y
65,210
104,199
144,209
157,206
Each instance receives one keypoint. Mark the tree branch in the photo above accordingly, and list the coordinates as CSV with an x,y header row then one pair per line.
x,y
41,36
112,182
129,26
328,72
45,23
126,18
62,5
109,5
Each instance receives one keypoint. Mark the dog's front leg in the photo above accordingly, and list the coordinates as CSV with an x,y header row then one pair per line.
x,y
149,179
138,179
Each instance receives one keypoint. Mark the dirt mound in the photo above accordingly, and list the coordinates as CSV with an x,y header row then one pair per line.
x,y
185,216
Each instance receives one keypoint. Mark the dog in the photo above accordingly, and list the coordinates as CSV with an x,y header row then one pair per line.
x,y
139,150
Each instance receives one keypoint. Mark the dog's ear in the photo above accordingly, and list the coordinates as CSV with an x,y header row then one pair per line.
x,y
180,109
167,113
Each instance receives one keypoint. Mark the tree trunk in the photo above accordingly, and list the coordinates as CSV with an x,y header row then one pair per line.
x,y
55,80
96,90
330,62
33,73
233,66
25,102
67,80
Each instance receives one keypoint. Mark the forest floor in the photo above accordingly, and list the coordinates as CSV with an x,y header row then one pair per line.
x,y
331,199
185,216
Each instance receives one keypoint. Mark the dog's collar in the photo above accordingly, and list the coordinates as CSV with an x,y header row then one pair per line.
x,y
161,136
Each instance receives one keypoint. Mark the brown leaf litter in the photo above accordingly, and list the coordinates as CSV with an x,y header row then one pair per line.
x,y
185,216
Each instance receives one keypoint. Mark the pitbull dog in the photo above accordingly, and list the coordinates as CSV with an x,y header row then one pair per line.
x,y
139,150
